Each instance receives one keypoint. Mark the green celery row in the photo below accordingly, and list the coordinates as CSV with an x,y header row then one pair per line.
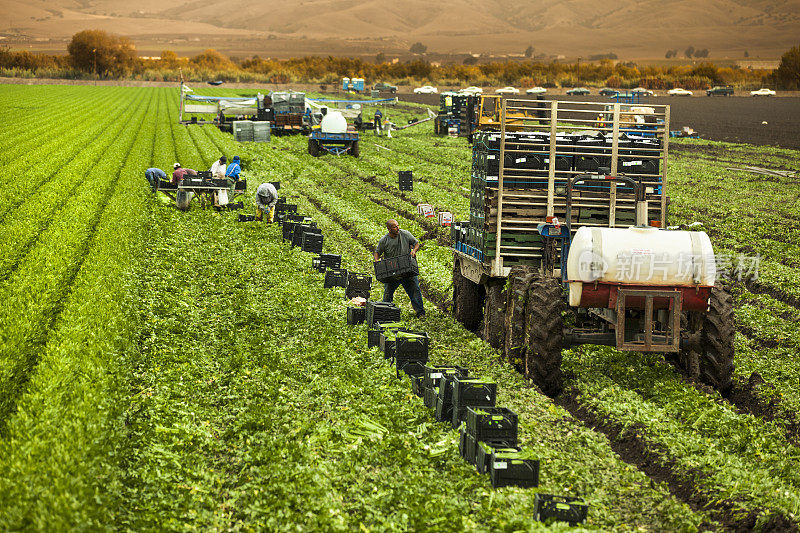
x,y
60,456
33,296
739,457
22,226
38,169
39,123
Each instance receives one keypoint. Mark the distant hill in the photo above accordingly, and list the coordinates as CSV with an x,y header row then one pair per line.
x,y
629,28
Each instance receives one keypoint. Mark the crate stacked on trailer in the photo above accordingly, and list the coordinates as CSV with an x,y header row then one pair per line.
x,y
457,114
289,110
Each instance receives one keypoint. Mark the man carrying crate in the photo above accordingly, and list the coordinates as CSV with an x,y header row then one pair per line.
x,y
394,244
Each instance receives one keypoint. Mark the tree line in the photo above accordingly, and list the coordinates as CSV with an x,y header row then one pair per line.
x,y
94,53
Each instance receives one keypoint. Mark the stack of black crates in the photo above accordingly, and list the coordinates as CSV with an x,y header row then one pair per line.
x,y
326,261
405,180
526,164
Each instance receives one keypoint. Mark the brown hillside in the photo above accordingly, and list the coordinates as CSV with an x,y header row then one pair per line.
x,y
631,29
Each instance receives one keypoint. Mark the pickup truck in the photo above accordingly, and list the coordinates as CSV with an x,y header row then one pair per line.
x,y
720,90
381,86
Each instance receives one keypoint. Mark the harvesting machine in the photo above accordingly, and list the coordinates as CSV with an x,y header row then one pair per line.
x,y
465,114
566,246
334,136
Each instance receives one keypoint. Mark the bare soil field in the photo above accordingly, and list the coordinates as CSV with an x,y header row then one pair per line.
x,y
733,119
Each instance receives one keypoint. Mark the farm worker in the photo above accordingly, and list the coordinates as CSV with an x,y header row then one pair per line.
x,y
219,167
154,176
378,116
394,244
387,127
180,173
266,198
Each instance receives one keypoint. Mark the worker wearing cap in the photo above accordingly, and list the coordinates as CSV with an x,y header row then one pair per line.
x,y
394,244
219,167
179,173
266,198
154,176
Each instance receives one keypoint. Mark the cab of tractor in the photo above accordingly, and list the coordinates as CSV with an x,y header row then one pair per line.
x,y
639,288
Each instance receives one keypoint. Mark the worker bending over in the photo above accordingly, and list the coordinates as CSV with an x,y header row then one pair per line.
x,y
266,198
394,244
154,176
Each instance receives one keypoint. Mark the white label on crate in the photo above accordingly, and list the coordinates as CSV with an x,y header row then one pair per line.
x,y
490,157
521,159
630,163
436,375
500,466
546,159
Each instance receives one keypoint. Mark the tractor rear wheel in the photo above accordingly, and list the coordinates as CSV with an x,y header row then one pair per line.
x,y
494,314
716,349
467,300
514,342
544,335
313,148
354,149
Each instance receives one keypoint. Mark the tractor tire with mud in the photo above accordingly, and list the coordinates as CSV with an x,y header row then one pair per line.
x,y
716,348
494,314
544,335
467,300
514,343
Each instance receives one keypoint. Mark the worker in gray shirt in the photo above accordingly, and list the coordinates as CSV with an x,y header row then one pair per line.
x,y
395,243
266,199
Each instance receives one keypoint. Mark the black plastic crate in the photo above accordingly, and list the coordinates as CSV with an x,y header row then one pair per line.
x,y
387,344
247,218
416,386
412,345
470,392
492,423
467,446
311,242
560,508
300,230
444,410
395,267
358,285
335,277
382,312
331,260
429,397
433,374
411,367
513,469
374,333
405,180
356,315
485,449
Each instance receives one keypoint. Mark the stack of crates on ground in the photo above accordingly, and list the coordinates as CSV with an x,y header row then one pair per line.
x,y
326,261
487,428
376,331
243,131
358,286
382,312
290,227
428,387
471,392
526,168
261,132
405,180
411,352
311,241
298,237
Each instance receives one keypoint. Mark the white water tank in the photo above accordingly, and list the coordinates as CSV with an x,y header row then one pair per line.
x,y
333,122
639,256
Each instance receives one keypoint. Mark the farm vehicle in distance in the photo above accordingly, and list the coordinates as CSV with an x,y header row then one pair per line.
x,y
720,90
563,250
333,136
465,114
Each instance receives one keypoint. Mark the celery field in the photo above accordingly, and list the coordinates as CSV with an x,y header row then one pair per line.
x,y
167,370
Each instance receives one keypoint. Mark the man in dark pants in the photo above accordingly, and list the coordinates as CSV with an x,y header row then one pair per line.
x,y
396,243
377,120
154,176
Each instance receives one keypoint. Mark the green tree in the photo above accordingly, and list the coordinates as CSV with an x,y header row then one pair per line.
x,y
788,73
418,48
689,52
380,58
529,51
102,53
